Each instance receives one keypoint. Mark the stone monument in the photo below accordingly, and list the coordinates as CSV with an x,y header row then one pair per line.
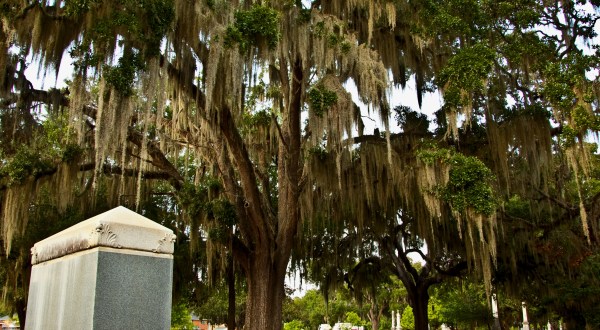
x,y
112,271
525,321
496,325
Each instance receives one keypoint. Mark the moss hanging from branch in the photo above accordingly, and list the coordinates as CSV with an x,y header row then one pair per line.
x,y
464,75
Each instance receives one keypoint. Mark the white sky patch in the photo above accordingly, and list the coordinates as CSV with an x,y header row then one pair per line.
x,y
432,102
299,285
41,79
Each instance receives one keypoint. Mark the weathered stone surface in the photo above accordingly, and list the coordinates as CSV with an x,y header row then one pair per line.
x,y
109,272
117,228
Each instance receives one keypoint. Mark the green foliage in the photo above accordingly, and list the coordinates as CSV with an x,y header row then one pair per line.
x,y
469,185
352,317
75,8
252,121
319,29
321,99
432,155
71,153
568,136
585,120
294,325
517,207
453,18
411,121
466,71
528,45
204,201
181,318
304,16
197,198
143,23
56,142
562,80
460,303
408,319
536,111
24,163
312,310
211,300
522,14
223,212
253,27
122,76
261,91
334,37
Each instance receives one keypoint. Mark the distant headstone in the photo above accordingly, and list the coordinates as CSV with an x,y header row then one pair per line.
x,y
112,271
496,325
525,321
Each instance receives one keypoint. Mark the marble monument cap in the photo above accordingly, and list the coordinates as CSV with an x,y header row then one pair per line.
x,y
118,228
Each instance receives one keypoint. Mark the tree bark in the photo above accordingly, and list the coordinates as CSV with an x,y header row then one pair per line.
x,y
419,303
265,294
273,237
374,321
21,306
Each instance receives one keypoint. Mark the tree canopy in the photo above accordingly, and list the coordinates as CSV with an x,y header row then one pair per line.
x,y
237,113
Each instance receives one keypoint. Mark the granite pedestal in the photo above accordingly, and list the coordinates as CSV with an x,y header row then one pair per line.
x,y
113,271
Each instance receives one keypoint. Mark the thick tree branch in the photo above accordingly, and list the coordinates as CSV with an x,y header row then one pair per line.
x,y
455,269
235,196
419,252
557,202
106,169
289,168
58,97
262,231
240,252
158,158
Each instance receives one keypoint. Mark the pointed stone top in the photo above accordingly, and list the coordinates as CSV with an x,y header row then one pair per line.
x,y
118,228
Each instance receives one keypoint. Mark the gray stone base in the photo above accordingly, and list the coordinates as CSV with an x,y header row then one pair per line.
x,y
101,288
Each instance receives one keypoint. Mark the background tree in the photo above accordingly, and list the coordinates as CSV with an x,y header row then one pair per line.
x,y
293,325
181,318
462,304
496,85
407,213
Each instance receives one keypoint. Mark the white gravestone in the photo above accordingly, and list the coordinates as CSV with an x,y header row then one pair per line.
x,y
112,271
525,321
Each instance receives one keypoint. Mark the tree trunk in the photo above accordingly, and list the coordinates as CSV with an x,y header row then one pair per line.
x,y
419,305
265,294
21,306
375,324
573,323
269,237
374,316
